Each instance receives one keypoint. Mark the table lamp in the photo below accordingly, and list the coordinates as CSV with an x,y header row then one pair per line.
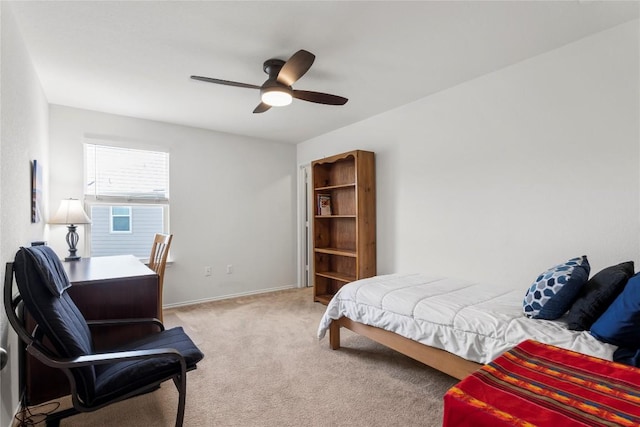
x,y
71,214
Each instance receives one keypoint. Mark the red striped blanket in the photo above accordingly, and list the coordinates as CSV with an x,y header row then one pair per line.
x,y
536,384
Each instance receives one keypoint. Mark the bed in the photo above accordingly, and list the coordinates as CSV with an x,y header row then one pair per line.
x,y
452,325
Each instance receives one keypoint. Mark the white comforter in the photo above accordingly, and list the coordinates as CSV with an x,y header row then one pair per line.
x,y
474,321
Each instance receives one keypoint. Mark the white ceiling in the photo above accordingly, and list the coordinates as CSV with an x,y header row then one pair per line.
x,y
135,58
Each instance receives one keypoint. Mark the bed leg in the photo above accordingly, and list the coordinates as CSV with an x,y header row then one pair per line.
x,y
334,335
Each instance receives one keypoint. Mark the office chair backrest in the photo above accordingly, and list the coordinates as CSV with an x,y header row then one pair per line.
x,y
42,282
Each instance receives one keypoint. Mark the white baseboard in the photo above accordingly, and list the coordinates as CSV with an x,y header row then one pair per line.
x,y
223,297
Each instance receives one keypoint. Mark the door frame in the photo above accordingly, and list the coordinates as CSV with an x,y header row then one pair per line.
x,y
305,216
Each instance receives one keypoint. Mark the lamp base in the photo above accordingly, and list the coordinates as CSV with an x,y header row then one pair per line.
x,y
72,241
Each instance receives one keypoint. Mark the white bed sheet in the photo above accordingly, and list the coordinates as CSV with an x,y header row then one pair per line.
x,y
475,321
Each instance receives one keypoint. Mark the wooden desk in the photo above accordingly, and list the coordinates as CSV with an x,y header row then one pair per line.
x,y
112,287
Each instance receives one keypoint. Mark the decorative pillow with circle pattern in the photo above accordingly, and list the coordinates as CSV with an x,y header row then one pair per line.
x,y
554,291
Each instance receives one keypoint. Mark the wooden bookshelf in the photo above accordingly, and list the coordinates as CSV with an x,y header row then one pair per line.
x,y
344,229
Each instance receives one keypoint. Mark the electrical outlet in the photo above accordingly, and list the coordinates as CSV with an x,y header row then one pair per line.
x,y
207,271
229,268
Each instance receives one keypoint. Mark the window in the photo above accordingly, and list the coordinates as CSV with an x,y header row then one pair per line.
x,y
127,197
120,219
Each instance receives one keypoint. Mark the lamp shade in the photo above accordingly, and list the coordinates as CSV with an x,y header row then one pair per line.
x,y
70,212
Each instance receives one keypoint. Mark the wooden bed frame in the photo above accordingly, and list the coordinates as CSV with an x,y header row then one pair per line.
x,y
438,359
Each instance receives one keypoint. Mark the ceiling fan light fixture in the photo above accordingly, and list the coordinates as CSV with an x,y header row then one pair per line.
x,y
276,96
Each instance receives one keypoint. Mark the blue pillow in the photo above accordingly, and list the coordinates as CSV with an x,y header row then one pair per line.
x,y
555,290
620,323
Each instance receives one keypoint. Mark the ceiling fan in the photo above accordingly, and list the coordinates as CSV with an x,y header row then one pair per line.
x,y
276,91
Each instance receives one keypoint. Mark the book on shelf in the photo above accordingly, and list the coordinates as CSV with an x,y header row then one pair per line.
x,y
324,204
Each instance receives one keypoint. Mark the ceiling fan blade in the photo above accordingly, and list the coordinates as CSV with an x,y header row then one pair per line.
x,y
225,82
296,67
319,97
261,108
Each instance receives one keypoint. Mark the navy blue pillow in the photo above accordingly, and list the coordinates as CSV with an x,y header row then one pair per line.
x,y
627,356
620,323
597,295
554,291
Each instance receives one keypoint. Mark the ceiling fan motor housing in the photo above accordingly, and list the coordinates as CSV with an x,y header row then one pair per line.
x,y
272,67
272,91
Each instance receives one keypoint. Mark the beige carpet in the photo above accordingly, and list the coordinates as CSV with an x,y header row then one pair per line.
x,y
264,366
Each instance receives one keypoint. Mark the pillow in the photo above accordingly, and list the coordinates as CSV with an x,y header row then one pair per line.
x,y
620,323
627,356
597,295
553,292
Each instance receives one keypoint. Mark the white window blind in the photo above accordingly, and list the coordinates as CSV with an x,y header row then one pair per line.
x,y
125,173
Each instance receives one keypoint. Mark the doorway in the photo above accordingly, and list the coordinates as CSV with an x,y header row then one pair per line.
x,y
305,246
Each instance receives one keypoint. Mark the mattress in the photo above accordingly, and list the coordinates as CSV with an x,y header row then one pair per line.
x,y
475,321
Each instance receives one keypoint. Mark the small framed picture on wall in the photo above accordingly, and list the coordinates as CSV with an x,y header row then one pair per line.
x,y
36,192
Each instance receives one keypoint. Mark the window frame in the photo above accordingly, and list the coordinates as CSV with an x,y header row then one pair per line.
x,y
128,215
127,200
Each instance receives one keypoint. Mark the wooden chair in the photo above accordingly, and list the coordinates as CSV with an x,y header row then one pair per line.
x,y
158,261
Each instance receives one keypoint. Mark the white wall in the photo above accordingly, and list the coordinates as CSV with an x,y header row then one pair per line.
x,y
508,174
232,200
23,138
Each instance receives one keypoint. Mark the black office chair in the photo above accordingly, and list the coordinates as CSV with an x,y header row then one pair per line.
x,y
96,379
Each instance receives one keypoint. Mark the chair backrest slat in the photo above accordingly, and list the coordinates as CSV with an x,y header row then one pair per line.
x,y
158,262
159,252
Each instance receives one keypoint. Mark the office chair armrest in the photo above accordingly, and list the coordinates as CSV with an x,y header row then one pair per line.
x,y
103,358
126,322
